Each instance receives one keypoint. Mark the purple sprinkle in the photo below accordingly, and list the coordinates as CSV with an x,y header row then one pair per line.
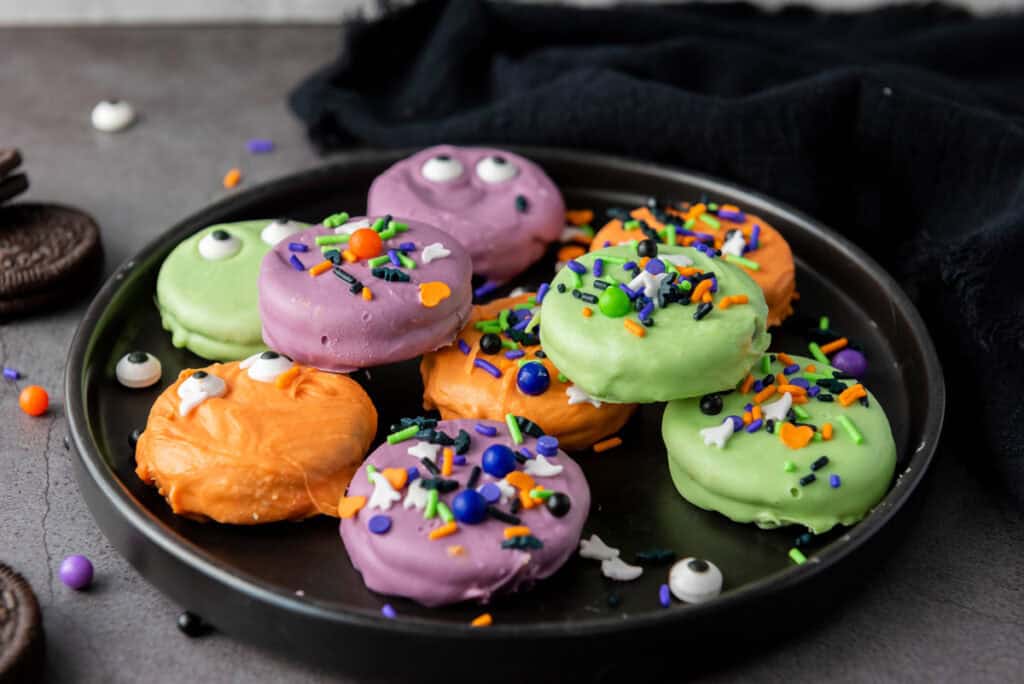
x,y
655,266
664,598
629,266
607,243
547,445
521,325
704,237
485,289
755,237
755,426
379,524
714,285
459,459
799,382
11,373
297,247
645,312
414,473
407,246
576,267
393,255
737,423
834,481
296,263
491,493
748,408
486,430
813,391
463,347
625,288
730,215
487,366
542,292
526,453
388,611
793,368
512,354
598,268
758,385
260,146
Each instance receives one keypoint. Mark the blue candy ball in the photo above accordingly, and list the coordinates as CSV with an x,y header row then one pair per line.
x,y
533,379
498,460
469,507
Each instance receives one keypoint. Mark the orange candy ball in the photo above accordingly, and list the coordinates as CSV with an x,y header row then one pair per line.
x,y
365,243
34,400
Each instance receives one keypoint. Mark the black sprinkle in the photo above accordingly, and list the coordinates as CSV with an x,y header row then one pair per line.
x,y
820,463
391,275
431,466
588,298
863,401
501,515
527,541
345,275
768,379
528,427
655,556
560,287
522,204
618,213
355,288
474,477
540,354
825,397
418,421
702,311
515,505
435,437
519,457
334,256
804,539
770,426
601,285
461,442
808,479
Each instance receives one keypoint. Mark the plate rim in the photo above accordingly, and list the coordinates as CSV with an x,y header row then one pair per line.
x,y
143,522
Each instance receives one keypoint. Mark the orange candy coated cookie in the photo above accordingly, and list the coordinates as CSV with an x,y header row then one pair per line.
x,y
776,276
257,452
458,389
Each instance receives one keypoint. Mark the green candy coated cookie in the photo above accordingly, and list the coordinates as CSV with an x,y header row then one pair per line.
x,y
211,306
757,477
676,357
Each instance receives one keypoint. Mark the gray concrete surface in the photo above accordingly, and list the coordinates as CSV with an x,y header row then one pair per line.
x,y
948,605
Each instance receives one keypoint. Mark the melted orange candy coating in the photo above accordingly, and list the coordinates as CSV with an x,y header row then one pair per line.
x,y
457,389
776,277
262,452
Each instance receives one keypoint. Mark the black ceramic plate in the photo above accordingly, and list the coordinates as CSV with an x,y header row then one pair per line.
x,y
291,586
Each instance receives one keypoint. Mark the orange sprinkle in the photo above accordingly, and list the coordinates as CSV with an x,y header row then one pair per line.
x,y
525,499
348,506
764,394
706,298
747,418
320,268
232,178
690,271
367,295
852,394
570,252
698,292
826,431
795,437
443,531
756,413
484,620
634,327
726,302
729,208
516,531
810,368
579,217
349,257
282,380
446,464
456,550
396,477
834,345
747,384
795,390
643,262
781,379
587,312
696,210
520,480
800,399
433,293
605,445
785,358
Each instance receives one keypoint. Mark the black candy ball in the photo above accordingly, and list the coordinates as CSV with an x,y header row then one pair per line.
x,y
559,504
133,438
192,625
711,404
490,344
647,248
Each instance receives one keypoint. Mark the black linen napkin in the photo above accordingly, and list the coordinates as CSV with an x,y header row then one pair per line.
x,y
902,128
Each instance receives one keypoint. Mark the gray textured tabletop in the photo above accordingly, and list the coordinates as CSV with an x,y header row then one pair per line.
x,y
947,604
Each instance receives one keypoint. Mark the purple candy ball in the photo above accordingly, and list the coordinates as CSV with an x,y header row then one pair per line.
x,y
76,572
850,361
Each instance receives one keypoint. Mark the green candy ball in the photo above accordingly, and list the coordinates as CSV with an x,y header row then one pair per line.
x,y
614,303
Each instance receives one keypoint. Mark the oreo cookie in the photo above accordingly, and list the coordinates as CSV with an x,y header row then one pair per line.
x,y
49,256
11,185
21,629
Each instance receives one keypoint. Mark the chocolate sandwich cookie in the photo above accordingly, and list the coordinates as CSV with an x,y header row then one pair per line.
x,y
49,254
11,185
21,629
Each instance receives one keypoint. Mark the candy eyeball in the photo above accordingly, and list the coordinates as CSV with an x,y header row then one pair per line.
x,y
695,580
112,116
197,388
266,366
496,169
138,369
218,245
278,230
441,168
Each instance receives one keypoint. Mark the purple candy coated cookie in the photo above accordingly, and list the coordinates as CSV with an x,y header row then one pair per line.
x,y
850,361
76,572
502,207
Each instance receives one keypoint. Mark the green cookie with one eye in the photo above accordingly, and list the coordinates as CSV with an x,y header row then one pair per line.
x,y
793,474
660,340
207,288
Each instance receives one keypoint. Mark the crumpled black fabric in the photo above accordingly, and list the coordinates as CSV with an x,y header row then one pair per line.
x,y
900,128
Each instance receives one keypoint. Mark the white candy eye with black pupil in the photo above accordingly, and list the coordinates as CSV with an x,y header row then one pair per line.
x,y
197,388
138,369
278,230
266,366
218,245
695,580
496,169
441,169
